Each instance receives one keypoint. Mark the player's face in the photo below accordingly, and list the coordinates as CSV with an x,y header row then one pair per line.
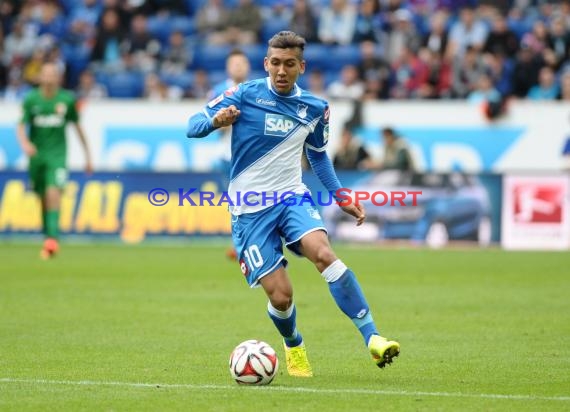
x,y
284,67
49,76
238,68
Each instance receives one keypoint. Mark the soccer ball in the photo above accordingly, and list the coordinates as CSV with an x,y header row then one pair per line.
x,y
253,362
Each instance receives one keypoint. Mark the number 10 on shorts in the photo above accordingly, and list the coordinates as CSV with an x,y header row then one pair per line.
x,y
253,257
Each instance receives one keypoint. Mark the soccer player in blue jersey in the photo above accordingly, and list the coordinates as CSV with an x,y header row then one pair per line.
x,y
273,121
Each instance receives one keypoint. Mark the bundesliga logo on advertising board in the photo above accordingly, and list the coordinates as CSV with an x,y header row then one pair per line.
x,y
536,212
538,203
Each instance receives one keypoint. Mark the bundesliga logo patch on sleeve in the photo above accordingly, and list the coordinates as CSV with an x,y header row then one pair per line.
x,y
215,101
231,90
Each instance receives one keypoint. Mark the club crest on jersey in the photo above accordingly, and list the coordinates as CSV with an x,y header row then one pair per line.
x,y
314,213
302,110
61,109
278,124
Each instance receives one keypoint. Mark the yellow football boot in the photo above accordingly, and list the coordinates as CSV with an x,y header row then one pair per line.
x,y
297,362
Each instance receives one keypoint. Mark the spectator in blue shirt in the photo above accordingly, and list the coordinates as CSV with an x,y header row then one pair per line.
x,y
547,87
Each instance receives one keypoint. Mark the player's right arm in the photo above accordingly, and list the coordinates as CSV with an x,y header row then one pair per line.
x,y
220,112
22,133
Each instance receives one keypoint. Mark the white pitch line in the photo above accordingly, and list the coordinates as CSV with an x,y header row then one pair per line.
x,y
288,389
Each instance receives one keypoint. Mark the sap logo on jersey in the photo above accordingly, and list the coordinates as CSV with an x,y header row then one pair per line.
x,y
278,124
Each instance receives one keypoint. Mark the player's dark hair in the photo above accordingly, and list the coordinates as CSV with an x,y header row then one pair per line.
x,y
288,40
237,52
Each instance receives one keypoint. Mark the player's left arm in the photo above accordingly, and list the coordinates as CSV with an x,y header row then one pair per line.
x,y
85,145
73,118
321,164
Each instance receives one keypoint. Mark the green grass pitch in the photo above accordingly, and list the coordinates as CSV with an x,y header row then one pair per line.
x,y
134,328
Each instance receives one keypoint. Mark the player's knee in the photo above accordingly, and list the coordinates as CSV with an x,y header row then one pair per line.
x,y
281,300
324,257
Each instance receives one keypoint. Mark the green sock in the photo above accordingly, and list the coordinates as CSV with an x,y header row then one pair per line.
x,y
52,223
44,222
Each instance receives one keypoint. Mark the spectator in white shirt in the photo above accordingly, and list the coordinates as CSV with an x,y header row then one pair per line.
x,y
349,86
337,23
468,31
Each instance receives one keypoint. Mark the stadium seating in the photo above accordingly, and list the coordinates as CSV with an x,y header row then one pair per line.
x,y
182,80
183,24
68,5
159,27
217,76
211,58
125,85
330,76
269,28
328,59
255,54
193,6
519,27
317,56
162,26
341,56
77,59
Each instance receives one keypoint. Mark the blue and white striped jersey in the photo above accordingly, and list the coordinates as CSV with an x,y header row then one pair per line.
x,y
268,139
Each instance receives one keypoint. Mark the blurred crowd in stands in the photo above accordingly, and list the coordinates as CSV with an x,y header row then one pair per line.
x,y
360,49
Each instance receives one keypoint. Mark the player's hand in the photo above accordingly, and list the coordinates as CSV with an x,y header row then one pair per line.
x,y
30,149
356,210
226,116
